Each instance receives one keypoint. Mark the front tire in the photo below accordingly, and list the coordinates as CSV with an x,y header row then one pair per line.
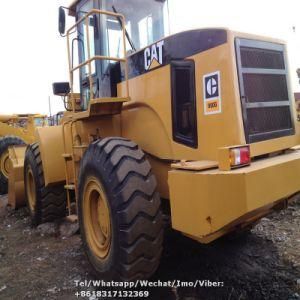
x,y
5,143
119,210
45,204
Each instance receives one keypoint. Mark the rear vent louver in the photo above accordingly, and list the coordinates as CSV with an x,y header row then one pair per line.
x,y
264,90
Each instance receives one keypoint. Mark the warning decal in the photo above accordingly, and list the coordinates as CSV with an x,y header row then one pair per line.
x,y
212,93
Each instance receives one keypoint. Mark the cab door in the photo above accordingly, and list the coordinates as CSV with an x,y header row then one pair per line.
x,y
105,39
83,48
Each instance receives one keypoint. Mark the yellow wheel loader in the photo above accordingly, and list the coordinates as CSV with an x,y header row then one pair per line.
x,y
56,119
15,130
199,125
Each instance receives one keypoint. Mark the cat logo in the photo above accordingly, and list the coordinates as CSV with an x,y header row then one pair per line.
x,y
212,93
153,56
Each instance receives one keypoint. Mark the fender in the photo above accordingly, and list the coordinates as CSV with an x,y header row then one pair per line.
x,y
50,141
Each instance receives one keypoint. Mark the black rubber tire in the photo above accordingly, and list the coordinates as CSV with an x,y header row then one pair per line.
x,y
5,143
135,210
51,200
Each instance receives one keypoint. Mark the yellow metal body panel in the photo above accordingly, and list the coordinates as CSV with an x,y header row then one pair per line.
x,y
16,193
195,165
151,106
24,134
10,125
50,140
274,145
79,132
203,203
150,111
224,159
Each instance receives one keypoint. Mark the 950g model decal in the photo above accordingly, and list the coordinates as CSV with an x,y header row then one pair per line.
x,y
212,93
153,56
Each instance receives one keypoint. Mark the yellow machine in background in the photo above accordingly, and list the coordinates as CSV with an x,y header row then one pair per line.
x,y
55,120
16,130
23,125
199,125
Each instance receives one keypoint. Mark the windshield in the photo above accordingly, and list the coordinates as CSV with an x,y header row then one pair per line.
x,y
146,22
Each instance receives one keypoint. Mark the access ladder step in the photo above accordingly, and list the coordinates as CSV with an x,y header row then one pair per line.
x,y
70,187
67,156
72,218
80,146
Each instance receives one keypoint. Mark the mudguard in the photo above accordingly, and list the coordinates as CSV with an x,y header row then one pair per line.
x,y
50,141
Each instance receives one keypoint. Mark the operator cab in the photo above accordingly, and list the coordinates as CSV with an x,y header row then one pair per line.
x,y
146,22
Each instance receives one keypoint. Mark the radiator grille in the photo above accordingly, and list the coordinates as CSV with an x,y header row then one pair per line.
x,y
262,58
264,90
269,119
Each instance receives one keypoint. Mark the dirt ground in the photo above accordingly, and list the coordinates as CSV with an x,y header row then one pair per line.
x,y
44,263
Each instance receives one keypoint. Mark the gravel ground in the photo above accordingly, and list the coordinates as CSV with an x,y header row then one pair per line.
x,y
44,263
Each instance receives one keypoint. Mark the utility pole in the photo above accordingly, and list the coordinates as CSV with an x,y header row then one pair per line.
x,y
49,103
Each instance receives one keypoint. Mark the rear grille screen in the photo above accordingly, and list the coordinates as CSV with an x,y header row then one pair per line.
x,y
262,58
264,90
269,119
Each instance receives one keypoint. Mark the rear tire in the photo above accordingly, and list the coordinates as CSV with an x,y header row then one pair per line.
x,y
45,204
5,143
117,193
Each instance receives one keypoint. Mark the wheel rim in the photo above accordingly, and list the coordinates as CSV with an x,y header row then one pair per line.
x,y
97,222
30,188
5,164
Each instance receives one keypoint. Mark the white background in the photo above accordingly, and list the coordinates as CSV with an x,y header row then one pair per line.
x,y
33,55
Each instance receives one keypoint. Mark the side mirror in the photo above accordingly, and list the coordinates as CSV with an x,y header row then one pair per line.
x,y
61,88
61,21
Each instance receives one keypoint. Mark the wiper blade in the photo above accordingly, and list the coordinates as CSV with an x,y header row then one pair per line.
x,y
126,32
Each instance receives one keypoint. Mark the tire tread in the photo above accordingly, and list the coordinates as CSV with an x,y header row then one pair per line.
x,y
51,200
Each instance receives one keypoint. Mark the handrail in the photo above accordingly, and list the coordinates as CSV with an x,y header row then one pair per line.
x,y
95,57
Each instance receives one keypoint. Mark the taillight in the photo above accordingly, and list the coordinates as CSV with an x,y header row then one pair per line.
x,y
240,156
